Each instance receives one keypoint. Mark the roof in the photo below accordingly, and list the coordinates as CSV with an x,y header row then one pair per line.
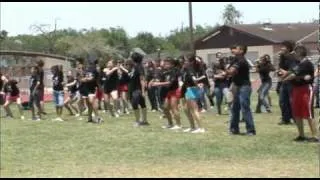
x,y
28,53
280,32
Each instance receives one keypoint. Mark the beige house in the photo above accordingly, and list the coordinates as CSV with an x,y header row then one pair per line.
x,y
260,38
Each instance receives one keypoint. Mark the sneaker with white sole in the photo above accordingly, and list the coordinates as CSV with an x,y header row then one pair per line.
x,y
176,127
22,117
199,130
116,115
188,130
203,111
77,115
166,127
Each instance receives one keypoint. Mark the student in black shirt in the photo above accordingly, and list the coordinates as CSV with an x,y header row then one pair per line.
x,y
264,67
40,65
287,61
83,93
91,84
220,83
301,77
151,90
240,73
111,83
58,94
190,94
73,95
34,93
12,94
171,85
123,85
137,88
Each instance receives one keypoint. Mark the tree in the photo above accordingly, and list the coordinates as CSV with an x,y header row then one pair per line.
x,y
145,41
231,15
50,36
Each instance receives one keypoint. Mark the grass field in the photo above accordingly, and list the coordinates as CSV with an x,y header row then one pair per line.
x,y
116,149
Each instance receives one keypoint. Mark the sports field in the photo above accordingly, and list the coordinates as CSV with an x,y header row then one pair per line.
x,y
115,148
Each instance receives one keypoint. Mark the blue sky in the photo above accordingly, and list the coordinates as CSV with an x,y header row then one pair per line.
x,y
156,17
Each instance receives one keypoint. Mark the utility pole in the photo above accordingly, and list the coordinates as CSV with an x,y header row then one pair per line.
x,y
191,28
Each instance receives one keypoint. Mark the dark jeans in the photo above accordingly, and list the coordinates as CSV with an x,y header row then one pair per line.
x,y
285,102
263,91
241,102
202,103
219,94
152,95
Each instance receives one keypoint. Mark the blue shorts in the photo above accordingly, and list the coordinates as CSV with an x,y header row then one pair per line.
x,y
58,97
192,93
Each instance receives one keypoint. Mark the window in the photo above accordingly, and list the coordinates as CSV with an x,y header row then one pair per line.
x,y
252,56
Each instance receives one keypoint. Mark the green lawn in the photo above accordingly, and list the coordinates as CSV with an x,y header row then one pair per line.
x,y
116,149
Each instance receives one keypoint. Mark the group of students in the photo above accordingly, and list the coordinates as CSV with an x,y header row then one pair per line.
x,y
171,83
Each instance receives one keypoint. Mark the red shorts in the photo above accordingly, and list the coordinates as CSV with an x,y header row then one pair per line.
x,y
301,97
12,98
174,94
123,88
99,94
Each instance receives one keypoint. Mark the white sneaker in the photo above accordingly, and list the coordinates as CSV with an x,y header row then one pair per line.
x,y
203,111
166,127
116,115
187,130
104,111
199,130
22,117
80,119
58,119
153,110
77,115
176,127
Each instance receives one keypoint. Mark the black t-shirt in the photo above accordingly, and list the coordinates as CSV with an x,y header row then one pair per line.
x,y
123,78
157,73
172,76
243,72
202,72
136,72
150,74
302,69
72,89
220,83
187,74
34,79
264,72
93,83
287,61
11,88
112,80
57,80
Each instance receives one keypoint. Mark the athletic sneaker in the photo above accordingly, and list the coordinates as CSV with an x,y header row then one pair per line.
x,y
144,123
203,111
188,130
22,117
36,119
176,127
300,139
58,119
77,115
116,115
167,126
199,130
136,124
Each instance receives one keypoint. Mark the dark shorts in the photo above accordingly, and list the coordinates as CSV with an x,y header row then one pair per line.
x,y
41,94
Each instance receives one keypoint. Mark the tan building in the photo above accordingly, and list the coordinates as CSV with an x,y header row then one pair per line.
x,y
16,64
260,39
